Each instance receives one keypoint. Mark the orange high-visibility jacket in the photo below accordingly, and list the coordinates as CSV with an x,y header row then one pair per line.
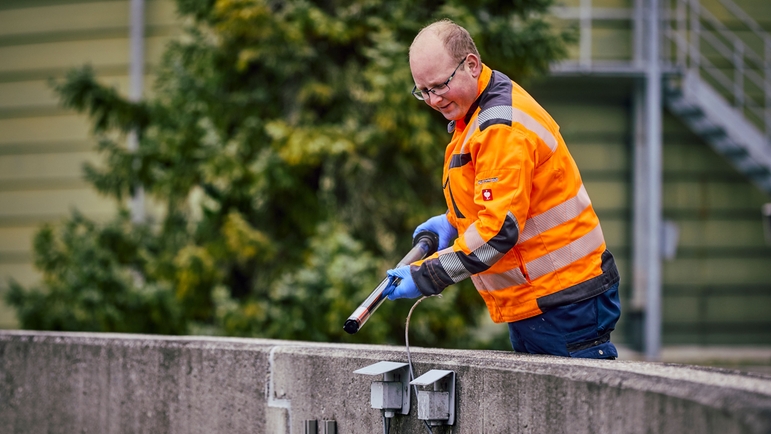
x,y
528,235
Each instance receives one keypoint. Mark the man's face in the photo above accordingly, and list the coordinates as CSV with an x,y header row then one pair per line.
x,y
431,66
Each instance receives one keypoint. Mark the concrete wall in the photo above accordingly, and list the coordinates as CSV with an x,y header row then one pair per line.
x,y
102,383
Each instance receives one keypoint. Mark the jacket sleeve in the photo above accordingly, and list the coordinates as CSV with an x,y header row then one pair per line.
x,y
504,160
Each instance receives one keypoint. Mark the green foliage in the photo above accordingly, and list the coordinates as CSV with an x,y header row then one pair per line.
x,y
107,109
291,164
92,282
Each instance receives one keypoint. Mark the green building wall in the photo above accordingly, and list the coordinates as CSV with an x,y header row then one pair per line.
x,y
42,146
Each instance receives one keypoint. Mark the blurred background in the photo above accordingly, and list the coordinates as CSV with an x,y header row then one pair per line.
x,y
251,168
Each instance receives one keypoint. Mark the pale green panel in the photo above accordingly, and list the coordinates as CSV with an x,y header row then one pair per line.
x,y
161,12
682,153
612,43
722,233
759,10
86,16
57,18
608,195
17,238
38,93
25,94
24,273
57,202
612,3
704,196
601,156
625,288
41,129
742,308
563,25
155,46
675,130
693,158
42,166
753,44
573,52
615,232
624,265
586,118
717,271
100,52
680,309
154,49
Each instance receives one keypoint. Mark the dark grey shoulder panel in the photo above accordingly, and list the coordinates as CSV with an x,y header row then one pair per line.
x,y
495,102
459,160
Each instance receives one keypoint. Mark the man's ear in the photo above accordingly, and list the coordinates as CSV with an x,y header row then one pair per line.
x,y
474,65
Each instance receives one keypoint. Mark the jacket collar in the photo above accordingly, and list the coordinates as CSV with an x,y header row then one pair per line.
x,y
482,82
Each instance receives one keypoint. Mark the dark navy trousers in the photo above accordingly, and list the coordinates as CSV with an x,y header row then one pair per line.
x,y
580,329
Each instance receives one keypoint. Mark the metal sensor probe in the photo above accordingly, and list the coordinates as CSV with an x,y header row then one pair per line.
x,y
424,244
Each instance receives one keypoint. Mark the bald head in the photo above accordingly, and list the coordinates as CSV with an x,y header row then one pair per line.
x,y
453,38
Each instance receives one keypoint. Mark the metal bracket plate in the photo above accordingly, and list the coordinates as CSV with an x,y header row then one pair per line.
x,y
392,372
442,381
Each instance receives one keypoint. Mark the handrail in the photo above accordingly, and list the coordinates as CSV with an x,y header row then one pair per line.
x,y
738,66
744,18
703,44
727,34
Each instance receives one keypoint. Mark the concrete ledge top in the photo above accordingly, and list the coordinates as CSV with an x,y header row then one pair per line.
x,y
489,359
214,384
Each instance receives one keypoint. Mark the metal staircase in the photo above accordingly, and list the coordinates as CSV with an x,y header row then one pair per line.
x,y
716,79
719,84
730,134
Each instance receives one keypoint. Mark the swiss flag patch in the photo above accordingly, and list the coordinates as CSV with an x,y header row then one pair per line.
x,y
487,194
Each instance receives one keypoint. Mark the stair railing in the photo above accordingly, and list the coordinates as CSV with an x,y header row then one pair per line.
x,y
737,66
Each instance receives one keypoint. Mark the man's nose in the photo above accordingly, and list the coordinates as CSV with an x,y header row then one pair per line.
x,y
431,96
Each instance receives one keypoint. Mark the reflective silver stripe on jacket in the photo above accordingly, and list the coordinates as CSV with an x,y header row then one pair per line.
x,y
510,113
483,251
453,267
470,132
479,247
548,263
563,256
492,282
556,216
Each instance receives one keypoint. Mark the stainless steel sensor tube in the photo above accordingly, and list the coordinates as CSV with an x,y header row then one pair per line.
x,y
424,244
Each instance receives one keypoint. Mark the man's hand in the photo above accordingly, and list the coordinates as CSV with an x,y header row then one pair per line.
x,y
406,288
440,226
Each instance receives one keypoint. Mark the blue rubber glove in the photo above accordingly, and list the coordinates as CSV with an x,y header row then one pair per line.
x,y
440,226
406,288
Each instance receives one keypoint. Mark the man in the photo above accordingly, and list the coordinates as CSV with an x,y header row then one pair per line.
x,y
519,222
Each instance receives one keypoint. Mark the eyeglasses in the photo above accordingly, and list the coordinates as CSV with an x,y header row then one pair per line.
x,y
438,90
